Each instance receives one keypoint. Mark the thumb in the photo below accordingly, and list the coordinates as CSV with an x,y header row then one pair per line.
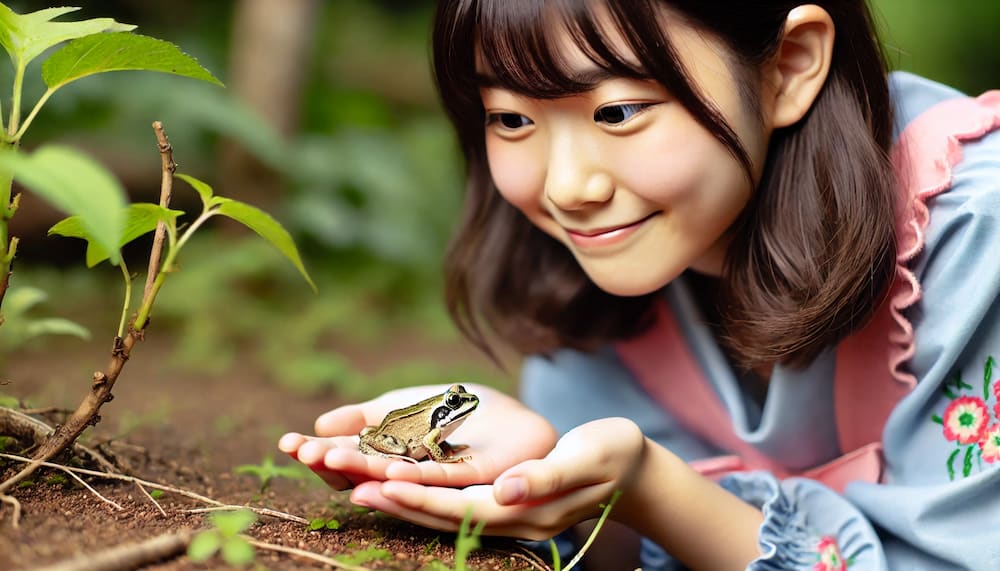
x,y
343,421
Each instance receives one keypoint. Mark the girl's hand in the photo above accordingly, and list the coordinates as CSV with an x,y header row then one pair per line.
x,y
499,434
535,499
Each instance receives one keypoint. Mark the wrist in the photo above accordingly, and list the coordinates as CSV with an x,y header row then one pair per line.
x,y
690,516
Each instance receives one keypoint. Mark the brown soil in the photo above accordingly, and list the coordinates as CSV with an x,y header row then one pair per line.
x,y
191,431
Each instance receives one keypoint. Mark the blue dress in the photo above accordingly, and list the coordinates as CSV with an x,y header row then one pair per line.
x,y
939,505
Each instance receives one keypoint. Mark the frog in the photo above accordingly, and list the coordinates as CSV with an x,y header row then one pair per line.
x,y
418,431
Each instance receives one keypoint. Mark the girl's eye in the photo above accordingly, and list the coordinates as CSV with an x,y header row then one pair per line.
x,y
508,120
619,112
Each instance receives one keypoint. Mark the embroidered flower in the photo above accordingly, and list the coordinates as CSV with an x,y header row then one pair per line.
x,y
996,389
990,443
828,555
965,420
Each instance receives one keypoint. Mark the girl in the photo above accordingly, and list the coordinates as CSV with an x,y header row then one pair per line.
x,y
753,276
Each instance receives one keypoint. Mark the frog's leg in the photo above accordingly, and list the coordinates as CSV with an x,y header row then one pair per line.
x,y
388,442
438,453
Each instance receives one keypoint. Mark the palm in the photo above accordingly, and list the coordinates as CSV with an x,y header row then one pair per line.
x,y
499,434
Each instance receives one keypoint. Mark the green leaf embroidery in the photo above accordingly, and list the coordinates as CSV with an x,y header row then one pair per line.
x,y
967,462
937,419
951,464
26,36
267,227
987,376
120,51
140,219
77,185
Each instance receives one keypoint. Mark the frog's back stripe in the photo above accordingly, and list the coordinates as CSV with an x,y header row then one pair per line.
x,y
864,393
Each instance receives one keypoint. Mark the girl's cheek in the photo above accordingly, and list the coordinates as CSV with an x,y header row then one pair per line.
x,y
518,174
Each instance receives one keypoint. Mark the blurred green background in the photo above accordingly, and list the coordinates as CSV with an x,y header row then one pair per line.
x,y
330,122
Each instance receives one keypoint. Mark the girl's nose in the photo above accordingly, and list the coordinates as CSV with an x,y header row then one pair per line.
x,y
575,178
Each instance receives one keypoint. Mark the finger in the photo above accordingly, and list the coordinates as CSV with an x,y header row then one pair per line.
x,y
447,474
289,443
552,476
445,508
356,466
341,421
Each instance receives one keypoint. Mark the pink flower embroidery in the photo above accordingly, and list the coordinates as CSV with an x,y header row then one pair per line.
x,y
829,557
965,420
990,444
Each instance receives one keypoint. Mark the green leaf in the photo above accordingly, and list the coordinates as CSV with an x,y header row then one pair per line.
x,y
317,524
267,227
140,219
99,53
236,551
55,326
77,185
26,36
203,546
233,523
21,299
204,191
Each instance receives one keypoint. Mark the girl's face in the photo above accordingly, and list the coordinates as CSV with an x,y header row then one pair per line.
x,y
622,174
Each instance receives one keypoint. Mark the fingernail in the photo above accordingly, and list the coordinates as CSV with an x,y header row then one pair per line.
x,y
512,491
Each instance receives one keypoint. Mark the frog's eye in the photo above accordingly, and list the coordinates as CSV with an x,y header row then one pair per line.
x,y
453,400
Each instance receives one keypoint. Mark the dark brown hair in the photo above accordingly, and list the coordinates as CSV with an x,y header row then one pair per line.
x,y
812,253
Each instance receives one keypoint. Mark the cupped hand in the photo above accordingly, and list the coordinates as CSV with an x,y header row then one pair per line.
x,y
535,499
501,432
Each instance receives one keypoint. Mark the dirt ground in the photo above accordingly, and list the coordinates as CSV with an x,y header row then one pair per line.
x,y
190,432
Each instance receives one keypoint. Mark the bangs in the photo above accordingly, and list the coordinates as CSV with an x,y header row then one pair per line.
x,y
521,53
522,46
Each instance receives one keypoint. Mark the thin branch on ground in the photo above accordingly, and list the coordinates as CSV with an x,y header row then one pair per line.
x,y
303,553
151,499
528,556
113,504
256,510
128,556
18,424
86,414
165,488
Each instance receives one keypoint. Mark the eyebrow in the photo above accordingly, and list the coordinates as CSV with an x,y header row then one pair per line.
x,y
589,77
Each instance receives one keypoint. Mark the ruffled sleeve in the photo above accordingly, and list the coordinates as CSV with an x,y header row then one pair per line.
x,y
939,505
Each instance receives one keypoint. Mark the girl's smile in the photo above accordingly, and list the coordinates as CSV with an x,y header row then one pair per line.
x,y
608,236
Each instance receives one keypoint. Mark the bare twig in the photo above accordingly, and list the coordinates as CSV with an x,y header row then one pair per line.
x,y
168,167
128,556
303,553
86,414
163,487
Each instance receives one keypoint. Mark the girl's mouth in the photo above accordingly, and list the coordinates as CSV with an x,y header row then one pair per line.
x,y
606,236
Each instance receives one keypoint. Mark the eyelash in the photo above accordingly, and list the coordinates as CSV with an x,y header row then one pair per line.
x,y
627,112
498,118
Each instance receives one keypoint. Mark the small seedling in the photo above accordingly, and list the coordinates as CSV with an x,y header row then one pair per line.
x,y
320,523
363,556
467,541
556,560
267,470
225,538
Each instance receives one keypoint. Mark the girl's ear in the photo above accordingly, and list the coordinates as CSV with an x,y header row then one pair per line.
x,y
801,64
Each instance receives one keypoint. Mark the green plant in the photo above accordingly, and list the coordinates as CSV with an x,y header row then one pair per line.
x,y
267,470
317,524
467,541
556,561
81,187
225,539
